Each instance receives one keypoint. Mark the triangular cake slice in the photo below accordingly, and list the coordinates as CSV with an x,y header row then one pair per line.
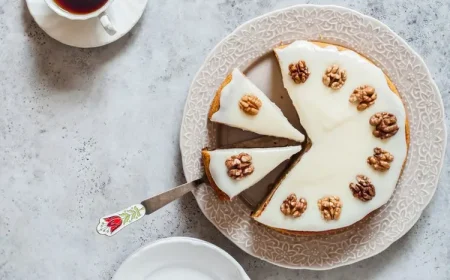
x,y
336,183
239,103
231,171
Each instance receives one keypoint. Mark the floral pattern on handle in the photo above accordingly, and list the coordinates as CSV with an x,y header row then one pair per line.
x,y
111,224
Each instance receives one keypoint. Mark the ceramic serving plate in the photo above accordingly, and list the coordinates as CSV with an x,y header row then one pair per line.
x,y
180,258
249,48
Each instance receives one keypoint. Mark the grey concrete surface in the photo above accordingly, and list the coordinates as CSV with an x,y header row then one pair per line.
x,y
85,132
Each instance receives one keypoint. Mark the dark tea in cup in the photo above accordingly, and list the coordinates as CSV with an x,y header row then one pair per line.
x,y
81,7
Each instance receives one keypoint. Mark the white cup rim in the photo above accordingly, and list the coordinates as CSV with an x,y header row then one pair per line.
x,y
60,11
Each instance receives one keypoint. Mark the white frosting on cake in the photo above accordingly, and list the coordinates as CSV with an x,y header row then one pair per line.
x,y
264,160
269,120
341,139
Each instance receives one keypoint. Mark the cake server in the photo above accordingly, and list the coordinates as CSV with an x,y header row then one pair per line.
x,y
113,223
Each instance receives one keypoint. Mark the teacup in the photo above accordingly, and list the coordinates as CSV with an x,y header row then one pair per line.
x,y
100,12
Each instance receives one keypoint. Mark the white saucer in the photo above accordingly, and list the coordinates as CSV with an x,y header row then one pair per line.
x,y
180,258
87,33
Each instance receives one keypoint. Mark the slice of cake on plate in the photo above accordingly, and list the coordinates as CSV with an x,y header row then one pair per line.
x,y
239,103
358,128
231,171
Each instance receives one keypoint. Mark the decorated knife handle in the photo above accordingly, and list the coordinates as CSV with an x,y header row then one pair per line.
x,y
112,224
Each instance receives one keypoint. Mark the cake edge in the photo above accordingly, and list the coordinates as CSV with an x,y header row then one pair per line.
x,y
206,157
215,104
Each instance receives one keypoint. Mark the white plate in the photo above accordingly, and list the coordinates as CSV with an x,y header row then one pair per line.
x,y
180,258
247,48
87,33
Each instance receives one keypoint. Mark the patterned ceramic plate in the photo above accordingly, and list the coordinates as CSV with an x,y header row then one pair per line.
x,y
249,48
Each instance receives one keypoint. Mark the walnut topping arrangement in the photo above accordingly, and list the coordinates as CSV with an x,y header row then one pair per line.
x,y
293,207
385,125
250,104
341,99
239,166
299,72
363,190
365,96
381,159
334,77
330,207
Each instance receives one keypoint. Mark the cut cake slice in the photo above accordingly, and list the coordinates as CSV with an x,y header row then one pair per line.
x,y
266,120
227,183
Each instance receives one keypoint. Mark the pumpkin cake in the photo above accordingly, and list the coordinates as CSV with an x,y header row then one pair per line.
x,y
358,130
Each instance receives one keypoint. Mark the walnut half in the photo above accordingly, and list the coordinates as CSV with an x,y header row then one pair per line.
x,y
250,104
365,96
299,72
330,207
293,207
385,125
363,190
239,166
381,159
334,77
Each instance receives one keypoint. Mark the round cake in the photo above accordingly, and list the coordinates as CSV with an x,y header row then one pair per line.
x,y
357,127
